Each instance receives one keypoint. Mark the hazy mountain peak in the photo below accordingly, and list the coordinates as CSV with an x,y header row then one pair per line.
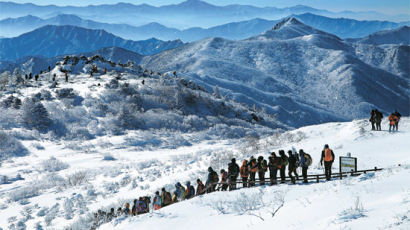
x,y
290,21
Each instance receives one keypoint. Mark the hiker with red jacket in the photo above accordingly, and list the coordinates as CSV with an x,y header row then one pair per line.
x,y
233,173
244,170
200,189
328,157
190,190
254,169
157,201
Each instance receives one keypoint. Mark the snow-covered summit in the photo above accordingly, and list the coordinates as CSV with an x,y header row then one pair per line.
x,y
399,36
290,28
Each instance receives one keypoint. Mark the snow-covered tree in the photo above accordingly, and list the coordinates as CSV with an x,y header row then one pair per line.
x,y
35,115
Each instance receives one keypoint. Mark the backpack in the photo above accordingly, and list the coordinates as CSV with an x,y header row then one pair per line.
x,y
328,155
309,160
285,160
168,197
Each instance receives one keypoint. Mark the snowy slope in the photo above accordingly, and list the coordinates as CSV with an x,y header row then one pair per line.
x,y
330,205
373,201
313,76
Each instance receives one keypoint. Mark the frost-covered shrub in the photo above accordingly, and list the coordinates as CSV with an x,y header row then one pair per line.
x,y
24,193
112,187
35,115
68,209
42,212
65,93
355,212
9,118
76,179
128,120
53,165
52,214
10,147
11,102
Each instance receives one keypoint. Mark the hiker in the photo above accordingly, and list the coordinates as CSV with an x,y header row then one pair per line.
x,y
393,120
54,77
66,77
36,77
134,208
30,76
398,115
305,161
328,157
141,206
105,70
244,170
212,180
233,173
275,163
165,197
200,188
111,215
25,77
223,186
378,120
253,167
157,201
190,190
49,68
284,161
119,211
127,210
262,168
373,118
179,191
292,166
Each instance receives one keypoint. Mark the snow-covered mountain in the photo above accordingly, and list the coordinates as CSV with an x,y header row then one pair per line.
x,y
34,65
191,13
345,27
50,41
399,36
302,74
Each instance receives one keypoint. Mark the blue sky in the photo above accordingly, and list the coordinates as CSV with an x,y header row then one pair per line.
x,y
384,6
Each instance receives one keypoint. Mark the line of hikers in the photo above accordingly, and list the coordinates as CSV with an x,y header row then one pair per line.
x,y
376,119
247,171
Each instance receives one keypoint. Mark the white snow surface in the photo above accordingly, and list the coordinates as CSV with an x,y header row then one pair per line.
x,y
374,201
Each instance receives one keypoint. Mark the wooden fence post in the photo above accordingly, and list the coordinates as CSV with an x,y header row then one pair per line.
x,y
317,179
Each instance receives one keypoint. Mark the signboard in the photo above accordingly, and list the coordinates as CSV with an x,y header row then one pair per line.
x,y
347,164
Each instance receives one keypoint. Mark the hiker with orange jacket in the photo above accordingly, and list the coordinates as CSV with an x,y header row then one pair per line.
x,y
328,157
244,171
393,119
253,170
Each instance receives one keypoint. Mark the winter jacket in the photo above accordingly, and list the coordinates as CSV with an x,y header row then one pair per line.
x,y
190,191
292,161
200,188
244,170
254,166
233,169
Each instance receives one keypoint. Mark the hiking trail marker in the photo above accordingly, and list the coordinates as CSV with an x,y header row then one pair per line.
x,y
347,164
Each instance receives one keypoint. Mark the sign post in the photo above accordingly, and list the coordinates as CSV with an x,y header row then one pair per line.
x,y
347,164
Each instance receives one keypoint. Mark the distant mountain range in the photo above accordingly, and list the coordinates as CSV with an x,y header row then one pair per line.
x,y
191,13
51,41
342,27
301,74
